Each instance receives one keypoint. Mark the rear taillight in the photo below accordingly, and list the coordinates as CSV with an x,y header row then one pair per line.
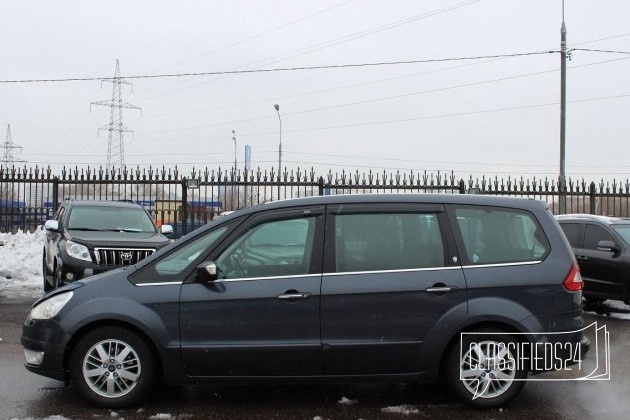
x,y
573,282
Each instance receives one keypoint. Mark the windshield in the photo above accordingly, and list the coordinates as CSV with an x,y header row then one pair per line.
x,y
623,231
104,218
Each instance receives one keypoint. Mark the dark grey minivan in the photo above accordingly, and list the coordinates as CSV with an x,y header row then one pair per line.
x,y
355,287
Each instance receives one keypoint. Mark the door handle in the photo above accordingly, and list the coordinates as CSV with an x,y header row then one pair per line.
x,y
581,258
287,296
441,289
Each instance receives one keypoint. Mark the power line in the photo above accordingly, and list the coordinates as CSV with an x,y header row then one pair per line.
x,y
327,44
385,98
281,69
242,41
600,51
276,99
427,117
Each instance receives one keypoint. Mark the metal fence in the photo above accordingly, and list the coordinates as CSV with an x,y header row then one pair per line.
x,y
30,195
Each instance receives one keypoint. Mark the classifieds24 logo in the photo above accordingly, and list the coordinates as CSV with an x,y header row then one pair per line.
x,y
491,361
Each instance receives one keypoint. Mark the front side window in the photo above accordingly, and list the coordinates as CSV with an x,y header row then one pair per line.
x,y
270,249
172,266
594,234
387,241
493,236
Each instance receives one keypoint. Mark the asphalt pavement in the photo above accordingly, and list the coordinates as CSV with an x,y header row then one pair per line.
x,y
24,395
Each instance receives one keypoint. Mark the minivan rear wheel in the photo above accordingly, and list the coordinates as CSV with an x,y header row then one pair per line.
x,y
482,371
112,367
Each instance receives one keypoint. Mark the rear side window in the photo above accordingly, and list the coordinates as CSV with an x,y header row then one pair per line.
x,y
387,241
571,231
495,236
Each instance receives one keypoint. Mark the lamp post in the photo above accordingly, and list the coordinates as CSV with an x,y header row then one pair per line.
x,y
277,107
563,100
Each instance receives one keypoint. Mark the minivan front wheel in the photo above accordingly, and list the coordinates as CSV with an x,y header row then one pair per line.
x,y
112,367
482,370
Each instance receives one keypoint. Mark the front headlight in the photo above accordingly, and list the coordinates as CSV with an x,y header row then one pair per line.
x,y
78,251
51,307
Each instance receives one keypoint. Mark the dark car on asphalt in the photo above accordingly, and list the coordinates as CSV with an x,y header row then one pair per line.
x,y
602,248
392,288
87,237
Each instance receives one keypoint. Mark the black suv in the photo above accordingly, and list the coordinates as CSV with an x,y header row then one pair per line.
x,y
602,248
89,237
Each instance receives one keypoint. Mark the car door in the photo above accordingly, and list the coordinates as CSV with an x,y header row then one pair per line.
x,y
390,278
261,317
599,268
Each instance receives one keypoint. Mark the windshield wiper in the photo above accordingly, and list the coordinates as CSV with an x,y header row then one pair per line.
x,y
86,229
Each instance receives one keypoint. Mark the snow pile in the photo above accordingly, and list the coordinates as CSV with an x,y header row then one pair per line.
x,y
619,309
402,409
21,265
347,401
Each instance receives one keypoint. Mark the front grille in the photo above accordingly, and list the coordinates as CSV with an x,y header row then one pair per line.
x,y
120,256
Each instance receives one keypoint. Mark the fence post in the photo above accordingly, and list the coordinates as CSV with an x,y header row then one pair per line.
x,y
184,206
462,186
55,192
591,195
320,185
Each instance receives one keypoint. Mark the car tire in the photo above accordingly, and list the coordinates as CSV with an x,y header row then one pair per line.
x,y
487,385
46,275
113,367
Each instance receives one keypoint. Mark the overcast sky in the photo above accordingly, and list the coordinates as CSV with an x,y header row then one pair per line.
x,y
492,116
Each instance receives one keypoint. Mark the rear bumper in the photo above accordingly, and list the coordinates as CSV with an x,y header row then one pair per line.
x,y
558,352
557,341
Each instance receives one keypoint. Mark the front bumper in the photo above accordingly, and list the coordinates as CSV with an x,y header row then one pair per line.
x,y
83,269
45,337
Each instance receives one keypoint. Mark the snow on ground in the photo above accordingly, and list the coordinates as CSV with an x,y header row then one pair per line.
x,y
402,409
21,271
21,265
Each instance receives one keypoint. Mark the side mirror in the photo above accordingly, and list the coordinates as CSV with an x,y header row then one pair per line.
x,y
52,225
207,271
607,246
166,230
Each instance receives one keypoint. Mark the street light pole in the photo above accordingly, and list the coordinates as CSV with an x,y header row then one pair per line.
x,y
563,103
277,107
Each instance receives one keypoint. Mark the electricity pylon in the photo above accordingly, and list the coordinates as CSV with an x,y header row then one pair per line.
x,y
9,146
116,128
